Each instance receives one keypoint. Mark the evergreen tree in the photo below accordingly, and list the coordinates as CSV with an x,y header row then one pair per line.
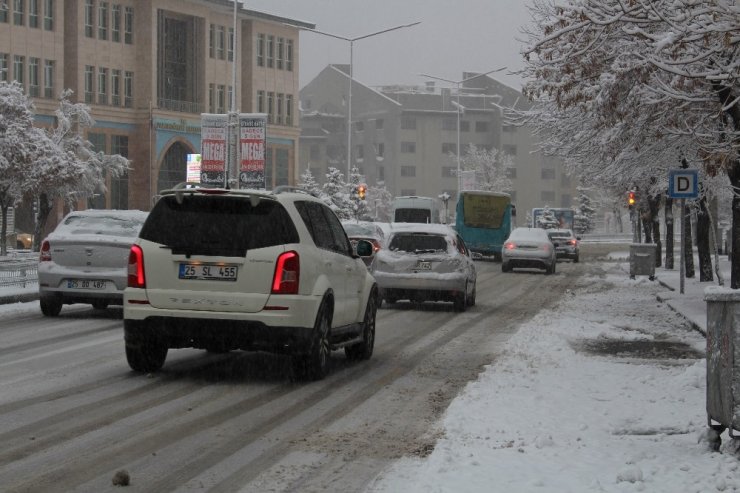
x,y
336,196
585,212
379,201
309,183
547,219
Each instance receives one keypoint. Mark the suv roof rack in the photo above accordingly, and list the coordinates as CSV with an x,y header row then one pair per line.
x,y
289,188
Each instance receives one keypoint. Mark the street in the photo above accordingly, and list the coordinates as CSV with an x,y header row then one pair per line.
x,y
73,414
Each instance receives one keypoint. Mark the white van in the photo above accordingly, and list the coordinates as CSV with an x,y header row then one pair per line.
x,y
413,209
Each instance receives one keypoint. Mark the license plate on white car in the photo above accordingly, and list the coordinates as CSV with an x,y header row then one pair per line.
x,y
424,266
86,284
208,272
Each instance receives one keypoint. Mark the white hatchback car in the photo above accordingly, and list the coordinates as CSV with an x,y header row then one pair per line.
x,y
243,269
425,262
84,259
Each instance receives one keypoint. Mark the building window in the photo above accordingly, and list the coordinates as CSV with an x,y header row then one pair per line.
x,y
408,123
408,171
449,124
115,87
260,101
449,171
260,50
270,107
230,49
510,173
49,78
509,149
280,52
464,126
128,89
221,99
3,67
128,25
103,20
4,11
119,184
212,98
34,88
548,174
481,127
379,124
408,147
102,85
359,126
19,66
565,180
220,43
89,82
33,13
270,51
380,150
289,110
547,197
279,112
289,55
115,24
212,41
360,152
449,148
89,11
229,96
509,128
49,15
18,12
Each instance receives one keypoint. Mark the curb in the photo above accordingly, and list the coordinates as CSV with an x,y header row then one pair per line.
x,y
693,324
19,298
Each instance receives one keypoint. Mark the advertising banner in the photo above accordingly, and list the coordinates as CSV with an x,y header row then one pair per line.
x,y
192,173
252,144
213,148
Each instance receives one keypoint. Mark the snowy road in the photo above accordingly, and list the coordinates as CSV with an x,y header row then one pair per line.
x,y
72,414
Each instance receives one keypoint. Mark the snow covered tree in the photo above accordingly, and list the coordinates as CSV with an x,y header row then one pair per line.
x,y
489,166
336,195
380,199
585,212
623,90
75,170
361,209
547,219
308,182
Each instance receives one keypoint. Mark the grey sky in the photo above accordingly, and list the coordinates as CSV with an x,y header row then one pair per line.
x,y
454,36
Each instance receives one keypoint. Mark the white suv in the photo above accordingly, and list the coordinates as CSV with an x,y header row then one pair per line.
x,y
241,269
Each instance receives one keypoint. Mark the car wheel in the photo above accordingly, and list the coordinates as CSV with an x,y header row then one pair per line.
x,y
146,356
315,364
364,349
505,267
100,304
575,259
461,300
471,299
50,305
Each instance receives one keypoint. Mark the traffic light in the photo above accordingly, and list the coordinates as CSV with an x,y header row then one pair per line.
x,y
361,191
631,198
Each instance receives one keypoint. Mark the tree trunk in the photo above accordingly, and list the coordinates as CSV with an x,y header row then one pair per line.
x,y
41,216
668,232
4,231
688,250
647,226
734,175
702,242
654,206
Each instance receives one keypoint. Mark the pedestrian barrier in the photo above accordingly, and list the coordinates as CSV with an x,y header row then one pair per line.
x,y
18,272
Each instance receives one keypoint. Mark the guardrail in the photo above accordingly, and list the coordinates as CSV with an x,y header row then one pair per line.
x,y
20,272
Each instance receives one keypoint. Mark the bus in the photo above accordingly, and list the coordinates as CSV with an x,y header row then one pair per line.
x,y
484,220
413,209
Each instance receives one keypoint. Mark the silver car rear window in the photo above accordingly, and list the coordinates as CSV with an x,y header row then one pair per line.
x,y
418,243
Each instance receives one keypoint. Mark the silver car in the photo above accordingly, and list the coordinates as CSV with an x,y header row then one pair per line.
x,y
567,245
529,248
85,259
425,262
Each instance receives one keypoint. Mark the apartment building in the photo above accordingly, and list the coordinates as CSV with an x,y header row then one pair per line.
x,y
148,69
404,136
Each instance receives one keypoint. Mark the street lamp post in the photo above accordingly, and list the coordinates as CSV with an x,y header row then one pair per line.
x,y
349,94
457,104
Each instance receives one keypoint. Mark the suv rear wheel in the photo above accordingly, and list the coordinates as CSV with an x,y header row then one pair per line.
x,y
364,349
315,364
50,305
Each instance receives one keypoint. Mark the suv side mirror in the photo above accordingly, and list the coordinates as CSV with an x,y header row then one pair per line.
x,y
363,248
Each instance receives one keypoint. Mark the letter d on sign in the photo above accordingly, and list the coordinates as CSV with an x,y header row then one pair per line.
x,y
683,184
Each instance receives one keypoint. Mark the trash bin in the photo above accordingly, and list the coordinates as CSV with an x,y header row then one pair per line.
x,y
642,260
723,362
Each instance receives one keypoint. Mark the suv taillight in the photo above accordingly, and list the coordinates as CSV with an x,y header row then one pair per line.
x,y
136,278
287,274
45,254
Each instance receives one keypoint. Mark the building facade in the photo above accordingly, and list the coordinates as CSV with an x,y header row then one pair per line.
x,y
406,137
148,69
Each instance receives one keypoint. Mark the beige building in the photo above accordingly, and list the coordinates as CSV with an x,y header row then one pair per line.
x,y
148,69
403,136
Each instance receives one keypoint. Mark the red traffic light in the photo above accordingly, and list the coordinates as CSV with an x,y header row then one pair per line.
x,y
361,191
631,199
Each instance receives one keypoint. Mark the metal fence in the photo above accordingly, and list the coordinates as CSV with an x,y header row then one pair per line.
x,y
18,272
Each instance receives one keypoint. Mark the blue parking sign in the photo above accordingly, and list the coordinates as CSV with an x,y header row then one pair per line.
x,y
683,183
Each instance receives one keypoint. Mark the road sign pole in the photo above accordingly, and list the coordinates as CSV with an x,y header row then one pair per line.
x,y
682,257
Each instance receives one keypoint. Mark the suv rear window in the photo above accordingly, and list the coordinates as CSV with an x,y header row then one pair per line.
x,y
418,243
219,226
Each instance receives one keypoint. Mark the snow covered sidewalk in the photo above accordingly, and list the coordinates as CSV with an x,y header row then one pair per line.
x,y
603,393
